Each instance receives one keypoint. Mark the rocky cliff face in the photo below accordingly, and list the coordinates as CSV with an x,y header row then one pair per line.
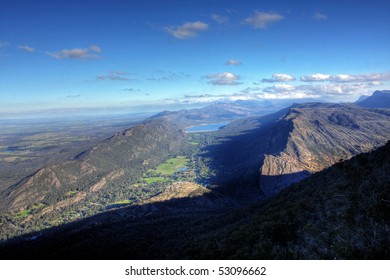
x,y
277,150
322,136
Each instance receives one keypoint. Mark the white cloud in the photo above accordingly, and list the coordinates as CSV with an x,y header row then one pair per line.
x,y
27,49
286,95
233,62
284,87
337,89
286,91
261,20
320,90
276,78
236,97
345,78
188,30
279,88
219,19
207,98
77,53
203,98
115,76
330,91
320,16
315,78
223,79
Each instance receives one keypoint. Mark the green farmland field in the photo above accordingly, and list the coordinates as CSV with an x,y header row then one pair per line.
x,y
172,165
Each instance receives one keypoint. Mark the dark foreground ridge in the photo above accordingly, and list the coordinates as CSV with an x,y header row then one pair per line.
x,y
339,213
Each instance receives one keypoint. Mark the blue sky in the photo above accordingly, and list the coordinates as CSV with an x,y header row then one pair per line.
x,y
151,54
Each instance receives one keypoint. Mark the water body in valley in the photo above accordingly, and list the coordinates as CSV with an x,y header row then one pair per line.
x,y
205,127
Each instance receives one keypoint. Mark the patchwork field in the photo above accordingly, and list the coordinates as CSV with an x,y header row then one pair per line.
x,y
172,165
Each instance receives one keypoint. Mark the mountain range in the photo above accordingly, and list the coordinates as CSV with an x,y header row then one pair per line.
x,y
271,152
156,169
338,213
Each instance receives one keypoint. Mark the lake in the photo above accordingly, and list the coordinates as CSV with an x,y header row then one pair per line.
x,y
205,127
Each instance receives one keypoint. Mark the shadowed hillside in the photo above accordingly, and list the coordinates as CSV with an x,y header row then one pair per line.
x,y
338,213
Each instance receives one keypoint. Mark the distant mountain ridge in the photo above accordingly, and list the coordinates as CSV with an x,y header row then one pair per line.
x,y
379,99
276,150
220,111
361,98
